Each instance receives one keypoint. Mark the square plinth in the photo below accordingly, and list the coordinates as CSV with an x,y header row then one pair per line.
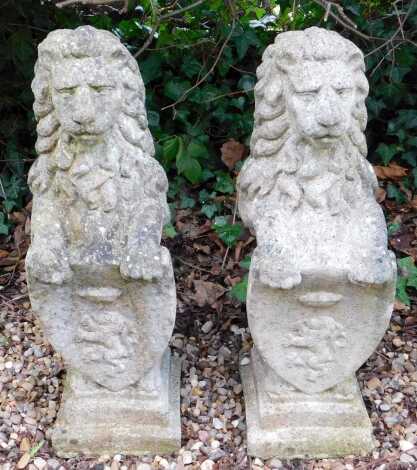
x,y
292,424
130,424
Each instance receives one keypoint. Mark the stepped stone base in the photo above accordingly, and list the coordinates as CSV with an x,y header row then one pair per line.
x,y
132,423
287,423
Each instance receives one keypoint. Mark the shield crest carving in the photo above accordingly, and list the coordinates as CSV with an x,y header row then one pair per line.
x,y
319,333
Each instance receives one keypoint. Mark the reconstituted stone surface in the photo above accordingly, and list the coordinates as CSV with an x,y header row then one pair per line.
x,y
98,277
322,281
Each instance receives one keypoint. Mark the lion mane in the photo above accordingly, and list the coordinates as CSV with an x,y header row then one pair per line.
x,y
273,145
131,133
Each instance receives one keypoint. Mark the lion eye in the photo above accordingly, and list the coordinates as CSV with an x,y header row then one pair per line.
x,y
101,88
307,94
66,90
343,91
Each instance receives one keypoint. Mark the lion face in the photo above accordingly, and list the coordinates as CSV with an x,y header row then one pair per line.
x,y
87,97
320,99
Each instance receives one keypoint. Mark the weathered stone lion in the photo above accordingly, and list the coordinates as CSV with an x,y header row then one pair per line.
x,y
322,281
307,185
98,277
95,173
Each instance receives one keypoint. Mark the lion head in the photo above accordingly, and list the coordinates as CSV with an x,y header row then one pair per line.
x,y
86,86
311,92
311,84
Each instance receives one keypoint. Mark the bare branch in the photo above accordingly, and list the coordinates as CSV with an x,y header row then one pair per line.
x,y
181,10
343,19
149,39
199,82
396,33
67,3
158,21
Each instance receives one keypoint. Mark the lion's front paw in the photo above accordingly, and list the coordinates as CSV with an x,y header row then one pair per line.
x,y
374,272
48,266
280,279
148,263
277,274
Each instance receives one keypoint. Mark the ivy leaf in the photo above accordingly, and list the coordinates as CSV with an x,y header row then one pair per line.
x,y
375,106
386,152
191,66
169,231
171,148
247,83
151,68
206,174
204,196
407,267
228,233
243,41
174,89
394,193
197,150
245,263
401,291
129,29
189,167
4,225
153,118
239,290
393,228
224,184
186,202
209,210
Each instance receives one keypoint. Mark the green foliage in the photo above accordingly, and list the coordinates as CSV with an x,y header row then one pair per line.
x,y
228,233
239,290
407,278
169,231
199,73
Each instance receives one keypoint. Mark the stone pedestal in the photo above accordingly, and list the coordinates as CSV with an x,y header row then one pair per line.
x,y
130,423
291,424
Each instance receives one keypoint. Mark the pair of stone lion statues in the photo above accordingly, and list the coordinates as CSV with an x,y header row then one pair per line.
x,y
307,168
102,283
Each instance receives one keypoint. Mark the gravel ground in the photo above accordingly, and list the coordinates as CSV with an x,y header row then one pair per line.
x,y
212,407
211,330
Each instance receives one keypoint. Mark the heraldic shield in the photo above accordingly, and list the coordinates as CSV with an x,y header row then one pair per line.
x,y
319,333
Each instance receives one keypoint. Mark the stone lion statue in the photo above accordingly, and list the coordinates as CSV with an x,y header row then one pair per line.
x,y
99,280
98,192
307,190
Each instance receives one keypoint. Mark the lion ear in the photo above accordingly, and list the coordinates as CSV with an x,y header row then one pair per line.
x,y
119,57
39,178
273,91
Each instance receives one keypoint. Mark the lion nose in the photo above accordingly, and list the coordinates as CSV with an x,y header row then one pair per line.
x,y
83,108
328,113
83,119
328,117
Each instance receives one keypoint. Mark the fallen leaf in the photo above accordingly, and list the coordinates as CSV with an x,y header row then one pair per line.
x,y
392,171
403,242
204,248
381,194
206,292
400,306
373,383
232,152
25,445
23,461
